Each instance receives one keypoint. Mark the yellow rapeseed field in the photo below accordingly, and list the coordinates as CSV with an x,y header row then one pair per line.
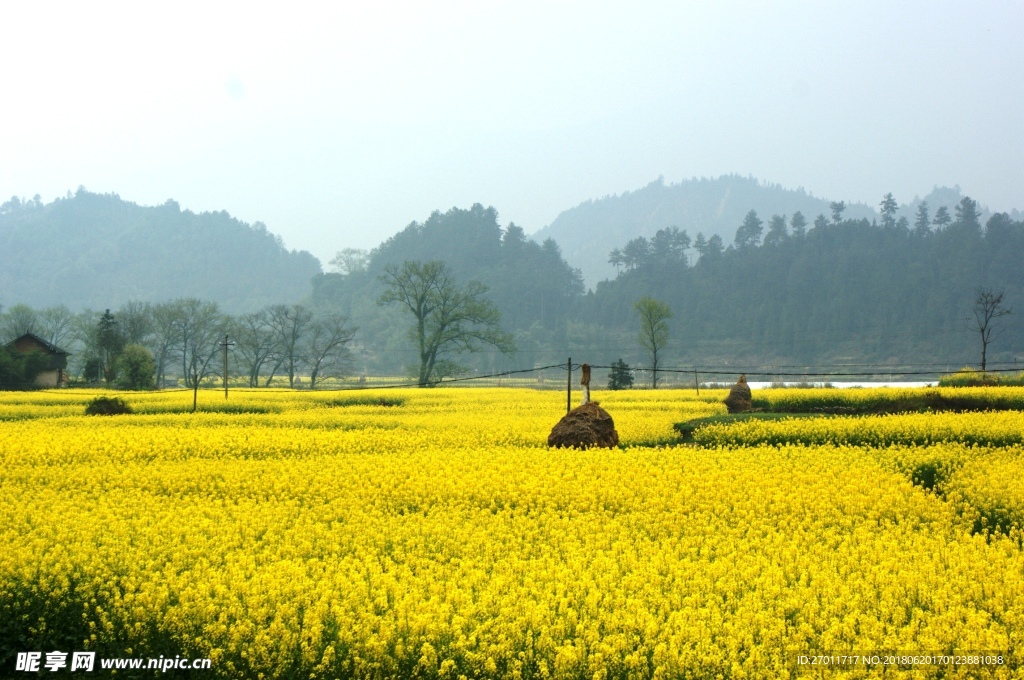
x,y
432,533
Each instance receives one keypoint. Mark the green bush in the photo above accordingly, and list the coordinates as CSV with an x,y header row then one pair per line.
x,y
135,368
107,406
18,371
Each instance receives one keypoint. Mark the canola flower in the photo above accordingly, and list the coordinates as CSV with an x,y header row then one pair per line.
x,y
442,538
997,428
800,400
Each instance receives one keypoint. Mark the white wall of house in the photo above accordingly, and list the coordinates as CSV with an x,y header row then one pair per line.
x,y
48,378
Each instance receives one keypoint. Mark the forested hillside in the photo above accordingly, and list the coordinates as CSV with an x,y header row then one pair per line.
x,y
530,283
839,292
93,250
785,289
589,231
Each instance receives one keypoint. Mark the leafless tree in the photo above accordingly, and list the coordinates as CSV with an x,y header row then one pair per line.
x,y
55,324
17,321
289,324
165,318
135,321
199,327
255,343
988,308
326,348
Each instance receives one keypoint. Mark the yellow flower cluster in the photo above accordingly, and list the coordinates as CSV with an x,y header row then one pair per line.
x,y
800,400
989,493
439,537
998,428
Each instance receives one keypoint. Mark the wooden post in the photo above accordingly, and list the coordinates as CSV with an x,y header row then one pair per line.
x,y
695,383
585,384
225,345
568,386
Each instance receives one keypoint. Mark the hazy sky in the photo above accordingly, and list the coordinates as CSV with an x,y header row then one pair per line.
x,y
337,124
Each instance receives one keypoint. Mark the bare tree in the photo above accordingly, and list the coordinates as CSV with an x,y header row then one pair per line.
x,y
18,320
199,327
326,349
289,324
988,308
85,344
255,343
136,322
55,324
654,316
165,318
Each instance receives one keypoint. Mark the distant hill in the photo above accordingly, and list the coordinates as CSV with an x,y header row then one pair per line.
x,y
588,232
99,251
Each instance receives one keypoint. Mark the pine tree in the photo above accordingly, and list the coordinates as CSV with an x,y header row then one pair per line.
x,y
749,233
923,220
799,224
888,208
620,377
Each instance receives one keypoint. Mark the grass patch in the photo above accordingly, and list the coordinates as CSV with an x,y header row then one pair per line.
x,y
837,402
389,402
968,377
211,408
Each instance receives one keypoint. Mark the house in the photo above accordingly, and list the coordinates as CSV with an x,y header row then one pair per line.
x,y
54,374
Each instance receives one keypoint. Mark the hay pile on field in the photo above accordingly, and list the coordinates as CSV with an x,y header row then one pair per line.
x,y
738,400
584,427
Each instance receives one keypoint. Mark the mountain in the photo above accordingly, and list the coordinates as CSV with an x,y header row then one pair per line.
x,y
588,232
99,251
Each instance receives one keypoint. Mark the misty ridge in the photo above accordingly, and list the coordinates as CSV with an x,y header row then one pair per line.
x,y
752,273
711,206
97,250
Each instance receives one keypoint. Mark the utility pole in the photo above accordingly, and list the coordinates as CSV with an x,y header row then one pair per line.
x,y
225,345
568,386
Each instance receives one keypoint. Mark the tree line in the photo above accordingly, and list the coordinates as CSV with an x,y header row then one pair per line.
x,y
833,291
181,340
458,293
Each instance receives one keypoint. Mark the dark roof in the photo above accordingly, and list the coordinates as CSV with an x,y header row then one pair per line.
x,y
50,347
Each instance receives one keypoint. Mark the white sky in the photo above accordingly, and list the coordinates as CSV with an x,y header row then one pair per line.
x,y
337,124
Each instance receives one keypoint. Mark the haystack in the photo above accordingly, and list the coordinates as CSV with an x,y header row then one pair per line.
x,y
583,427
738,400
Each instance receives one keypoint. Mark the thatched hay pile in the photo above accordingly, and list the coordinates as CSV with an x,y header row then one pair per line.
x,y
738,400
583,427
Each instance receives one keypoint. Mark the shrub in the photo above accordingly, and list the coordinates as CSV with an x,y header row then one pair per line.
x,y
107,406
135,368
18,371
